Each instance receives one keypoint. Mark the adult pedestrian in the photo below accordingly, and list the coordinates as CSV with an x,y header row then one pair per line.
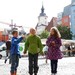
x,y
34,46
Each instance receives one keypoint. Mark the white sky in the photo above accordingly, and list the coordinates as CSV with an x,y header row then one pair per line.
x,y
26,12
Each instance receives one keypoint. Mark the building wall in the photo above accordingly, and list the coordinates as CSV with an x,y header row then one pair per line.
x,y
42,20
2,37
50,24
59,18
54,21
73,20
40,29
66,21
5,37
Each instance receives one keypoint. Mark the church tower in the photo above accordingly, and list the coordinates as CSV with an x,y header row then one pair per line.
x,y
42,18
42,21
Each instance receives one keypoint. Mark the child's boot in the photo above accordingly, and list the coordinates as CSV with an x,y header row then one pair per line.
x,y
11,73
15,73
30,73
35,74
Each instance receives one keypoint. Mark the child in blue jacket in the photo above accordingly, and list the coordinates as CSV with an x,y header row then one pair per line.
x,y
14,52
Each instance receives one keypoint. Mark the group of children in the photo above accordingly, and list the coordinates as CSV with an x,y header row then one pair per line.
x,y
34,46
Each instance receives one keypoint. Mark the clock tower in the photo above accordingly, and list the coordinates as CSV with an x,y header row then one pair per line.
x,y
42,21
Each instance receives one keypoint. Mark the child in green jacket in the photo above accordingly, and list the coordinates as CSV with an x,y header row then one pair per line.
x,y
34,46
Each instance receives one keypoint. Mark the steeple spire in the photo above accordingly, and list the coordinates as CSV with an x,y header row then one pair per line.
x,y
42,9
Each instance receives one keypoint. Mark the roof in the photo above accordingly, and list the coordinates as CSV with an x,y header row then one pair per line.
x,y
51,24
40,25
42,14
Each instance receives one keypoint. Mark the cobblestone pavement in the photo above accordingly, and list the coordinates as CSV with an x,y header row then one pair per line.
x,y
66,66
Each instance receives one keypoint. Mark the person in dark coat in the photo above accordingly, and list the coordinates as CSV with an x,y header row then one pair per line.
x,y
8,47
69,49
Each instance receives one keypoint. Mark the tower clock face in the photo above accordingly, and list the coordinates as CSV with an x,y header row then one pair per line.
x,y
42,20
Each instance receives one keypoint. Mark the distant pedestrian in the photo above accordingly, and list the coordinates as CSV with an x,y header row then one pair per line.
x,y
14,52
69,50
34,46
54,52
73,48
8,47
45,50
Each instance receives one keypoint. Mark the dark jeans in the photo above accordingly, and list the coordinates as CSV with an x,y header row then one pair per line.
x,y
33,63
7,53
8,56
14,62
54,66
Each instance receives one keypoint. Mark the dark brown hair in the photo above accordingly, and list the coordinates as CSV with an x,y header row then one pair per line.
x,y
55,34
14,32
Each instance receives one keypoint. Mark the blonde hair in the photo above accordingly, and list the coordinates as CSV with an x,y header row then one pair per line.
x,y
58,33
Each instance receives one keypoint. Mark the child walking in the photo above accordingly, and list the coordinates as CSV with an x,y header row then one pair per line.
x,y
54,53
14,52
34,46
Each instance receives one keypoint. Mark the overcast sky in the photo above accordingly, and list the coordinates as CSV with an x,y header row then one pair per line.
x,y
26,12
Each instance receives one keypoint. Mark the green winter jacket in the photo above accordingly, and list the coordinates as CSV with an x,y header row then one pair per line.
x,y
33,44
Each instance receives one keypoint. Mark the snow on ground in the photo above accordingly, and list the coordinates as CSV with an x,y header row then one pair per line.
x,y
66,66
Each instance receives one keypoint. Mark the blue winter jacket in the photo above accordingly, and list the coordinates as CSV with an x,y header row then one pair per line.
x,y
15,45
